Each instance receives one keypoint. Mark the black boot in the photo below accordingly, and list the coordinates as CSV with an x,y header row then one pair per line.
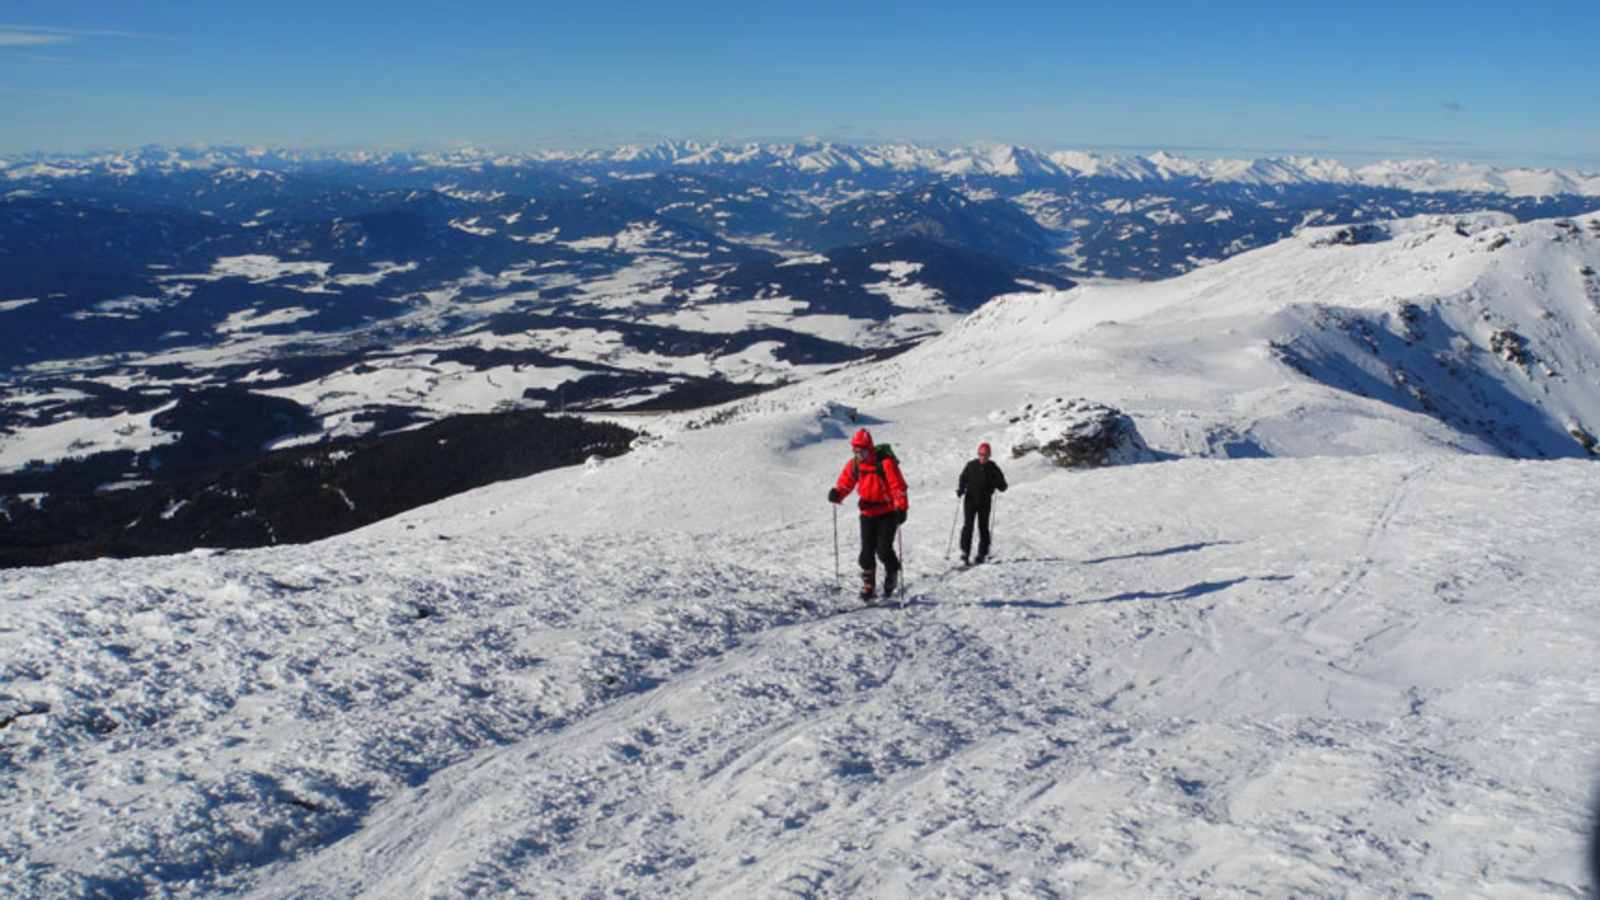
x,y
891,579
869,580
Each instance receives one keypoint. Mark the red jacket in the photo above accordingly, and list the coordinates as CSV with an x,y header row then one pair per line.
x,y
879,483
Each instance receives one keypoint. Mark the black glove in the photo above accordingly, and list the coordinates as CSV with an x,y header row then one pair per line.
x,y
1002,489
961,492
900,516
833,495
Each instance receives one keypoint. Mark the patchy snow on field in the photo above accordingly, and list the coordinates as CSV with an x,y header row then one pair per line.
x,y
728,318
258,268
643,238
645,281
760,363
253,319
380,271
82,437
422,381
128,307
903,291
471,226
30,397
543,237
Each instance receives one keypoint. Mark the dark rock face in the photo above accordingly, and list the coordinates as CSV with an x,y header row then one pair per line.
x,y
1585,439
1077,434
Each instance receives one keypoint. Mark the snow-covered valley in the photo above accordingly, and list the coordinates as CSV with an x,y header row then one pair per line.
x,y
1327,640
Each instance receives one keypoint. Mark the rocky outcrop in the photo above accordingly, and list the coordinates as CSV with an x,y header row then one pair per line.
x,y
1076,434
1585,438
1348,235
1510,346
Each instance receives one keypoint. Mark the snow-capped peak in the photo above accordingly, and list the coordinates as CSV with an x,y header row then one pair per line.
x,y
824,157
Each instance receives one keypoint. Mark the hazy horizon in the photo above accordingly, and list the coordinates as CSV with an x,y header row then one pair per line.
x,y
1359,81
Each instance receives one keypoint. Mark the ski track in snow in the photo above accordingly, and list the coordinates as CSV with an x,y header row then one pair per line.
x,y
1197,679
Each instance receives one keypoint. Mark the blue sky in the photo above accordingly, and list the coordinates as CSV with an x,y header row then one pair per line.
x,y
1356,81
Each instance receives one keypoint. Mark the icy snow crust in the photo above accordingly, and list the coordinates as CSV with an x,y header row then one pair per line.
x,y
1362,668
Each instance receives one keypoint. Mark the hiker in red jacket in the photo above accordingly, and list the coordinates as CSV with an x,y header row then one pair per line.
x,y
876,479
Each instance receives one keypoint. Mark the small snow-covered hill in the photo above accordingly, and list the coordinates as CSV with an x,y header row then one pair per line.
x,y
1454,333
1358,664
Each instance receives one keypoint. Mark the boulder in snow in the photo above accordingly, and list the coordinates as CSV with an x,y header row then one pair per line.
x,y
1510,346
838,420
1346,235
1411,316
1076,434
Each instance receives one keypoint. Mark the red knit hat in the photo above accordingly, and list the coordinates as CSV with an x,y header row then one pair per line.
x,y
863,438
983,447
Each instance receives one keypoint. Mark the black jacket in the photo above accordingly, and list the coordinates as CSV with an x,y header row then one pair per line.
x,y
979,481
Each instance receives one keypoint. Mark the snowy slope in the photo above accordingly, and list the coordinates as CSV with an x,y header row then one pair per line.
x,y
1362,668
1376,338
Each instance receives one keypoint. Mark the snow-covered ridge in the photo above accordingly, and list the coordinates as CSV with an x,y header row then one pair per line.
x,y
828,158
1472,333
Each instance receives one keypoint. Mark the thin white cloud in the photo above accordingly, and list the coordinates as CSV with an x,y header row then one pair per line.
x,y
71,32
6,89
30,38
13,35
97,63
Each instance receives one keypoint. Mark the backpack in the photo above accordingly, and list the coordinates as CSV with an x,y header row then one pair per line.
x,y
882,452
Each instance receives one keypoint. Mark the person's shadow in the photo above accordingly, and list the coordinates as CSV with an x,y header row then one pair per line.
x,y
1149,554
1146,554
1594,849
1193,591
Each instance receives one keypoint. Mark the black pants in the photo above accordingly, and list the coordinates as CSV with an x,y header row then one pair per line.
x,y
979,510
877,539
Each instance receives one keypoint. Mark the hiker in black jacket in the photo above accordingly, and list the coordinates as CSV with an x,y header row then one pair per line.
x,y
979,480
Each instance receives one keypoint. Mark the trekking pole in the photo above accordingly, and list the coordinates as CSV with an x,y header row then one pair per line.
x,y
836,585
900,538
994,521
953,519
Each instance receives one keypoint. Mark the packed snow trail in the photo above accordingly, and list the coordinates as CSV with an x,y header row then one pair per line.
x,y
1220,678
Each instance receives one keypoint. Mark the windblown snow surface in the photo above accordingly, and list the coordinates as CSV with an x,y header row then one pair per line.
x,y
1354,659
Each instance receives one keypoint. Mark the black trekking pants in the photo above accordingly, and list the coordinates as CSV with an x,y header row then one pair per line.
x,y
877,539
975,510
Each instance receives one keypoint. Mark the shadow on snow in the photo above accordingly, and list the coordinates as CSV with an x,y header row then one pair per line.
x,y
1198,589
1181,548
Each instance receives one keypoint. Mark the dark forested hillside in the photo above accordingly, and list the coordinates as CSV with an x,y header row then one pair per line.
x,y
301,494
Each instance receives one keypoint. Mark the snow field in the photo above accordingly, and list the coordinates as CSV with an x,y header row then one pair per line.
x,y
1218,678
1363,668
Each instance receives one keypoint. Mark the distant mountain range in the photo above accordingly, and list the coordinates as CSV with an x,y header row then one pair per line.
x,y
834,160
